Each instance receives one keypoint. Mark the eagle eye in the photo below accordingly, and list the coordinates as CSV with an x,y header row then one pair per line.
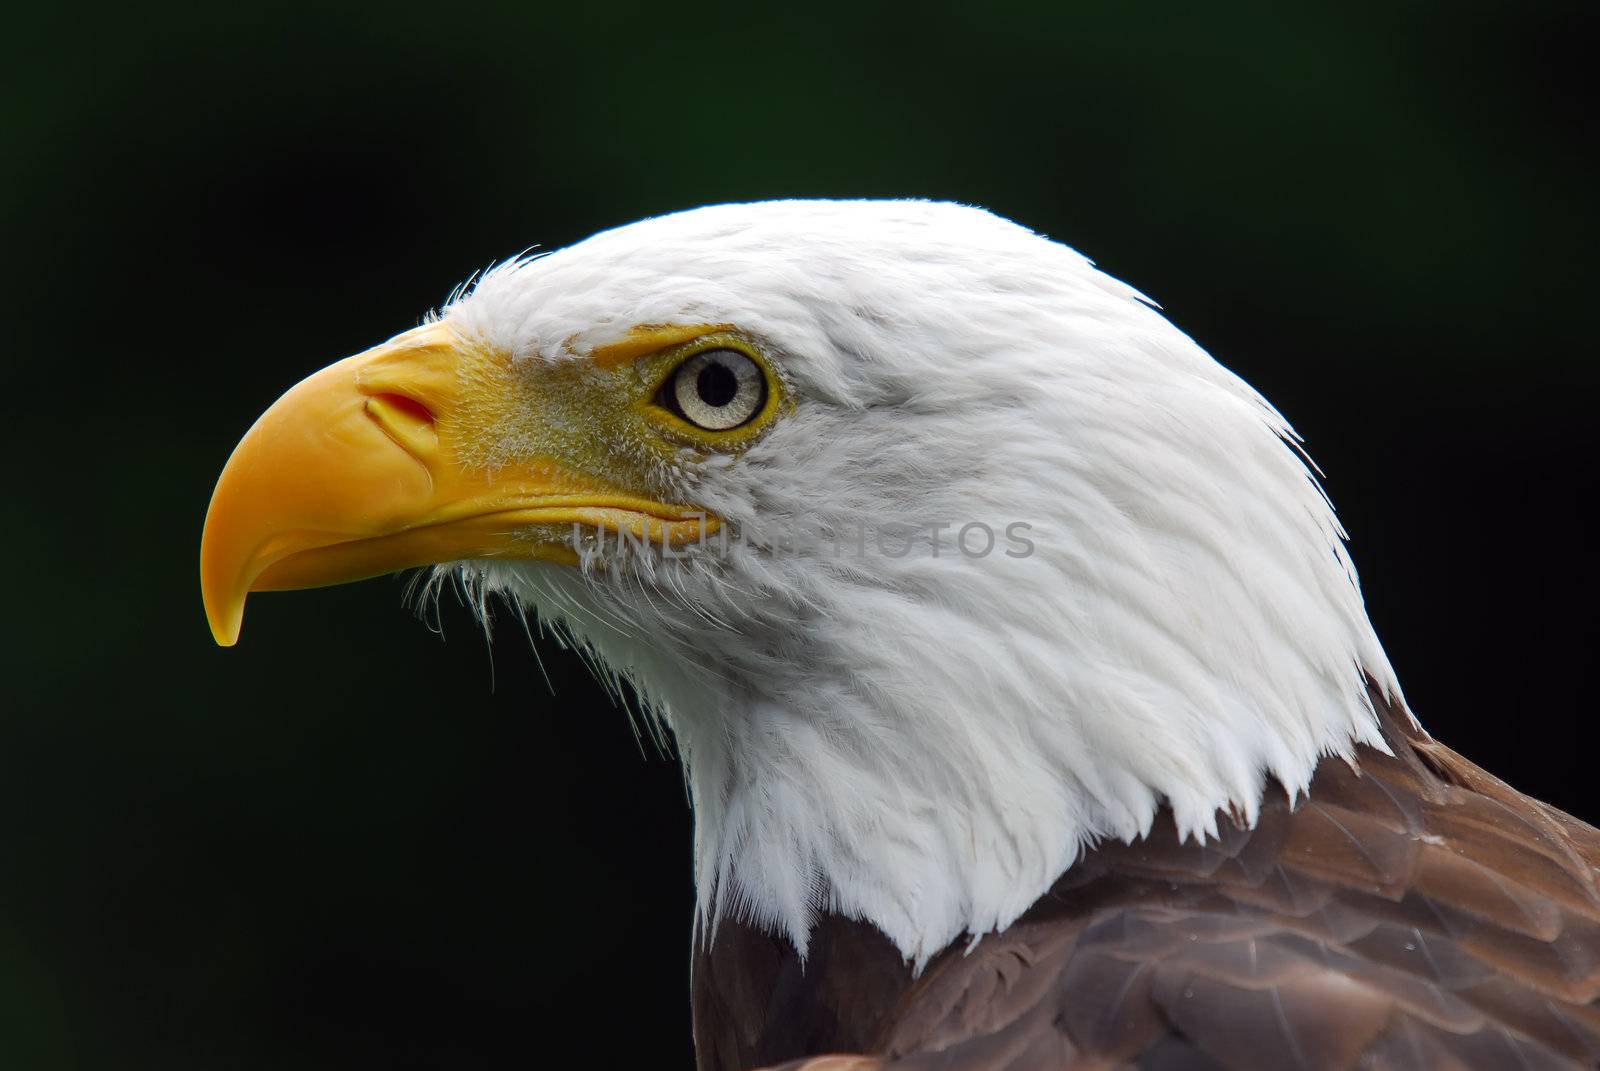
x,y
716,390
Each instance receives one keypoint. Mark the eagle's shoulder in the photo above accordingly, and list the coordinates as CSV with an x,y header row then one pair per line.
x,y
1412,911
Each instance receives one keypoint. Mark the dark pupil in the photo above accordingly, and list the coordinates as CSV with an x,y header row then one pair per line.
x,y
716,385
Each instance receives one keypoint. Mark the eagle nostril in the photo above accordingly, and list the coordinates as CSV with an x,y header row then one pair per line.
x,y
405,406
405,420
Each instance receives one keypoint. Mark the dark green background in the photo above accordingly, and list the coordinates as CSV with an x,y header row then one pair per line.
x,y
348,844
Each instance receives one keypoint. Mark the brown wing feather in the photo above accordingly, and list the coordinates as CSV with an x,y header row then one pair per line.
x,y
1414,913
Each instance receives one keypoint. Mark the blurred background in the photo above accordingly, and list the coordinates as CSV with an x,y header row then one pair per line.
x,y
355,842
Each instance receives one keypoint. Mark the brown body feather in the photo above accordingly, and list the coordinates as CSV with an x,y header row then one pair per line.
x,y
1413,913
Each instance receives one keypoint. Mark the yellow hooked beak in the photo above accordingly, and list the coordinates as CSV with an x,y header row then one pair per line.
x,y
355,472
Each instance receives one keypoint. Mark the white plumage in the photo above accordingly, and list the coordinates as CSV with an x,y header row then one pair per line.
x,y
928,741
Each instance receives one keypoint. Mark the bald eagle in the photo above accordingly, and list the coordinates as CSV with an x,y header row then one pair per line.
x,y
1028,705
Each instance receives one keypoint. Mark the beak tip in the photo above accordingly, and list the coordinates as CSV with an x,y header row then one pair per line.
x,y
224,605
225,625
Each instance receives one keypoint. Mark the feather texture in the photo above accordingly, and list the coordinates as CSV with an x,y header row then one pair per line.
x,y
1412,912
926,741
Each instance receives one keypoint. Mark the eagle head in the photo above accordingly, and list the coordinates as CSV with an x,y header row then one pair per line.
x,y
939,553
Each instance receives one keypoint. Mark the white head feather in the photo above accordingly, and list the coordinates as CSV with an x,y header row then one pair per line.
x,y
927,742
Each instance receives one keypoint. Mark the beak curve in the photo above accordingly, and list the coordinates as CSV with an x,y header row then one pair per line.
x,y
353,474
